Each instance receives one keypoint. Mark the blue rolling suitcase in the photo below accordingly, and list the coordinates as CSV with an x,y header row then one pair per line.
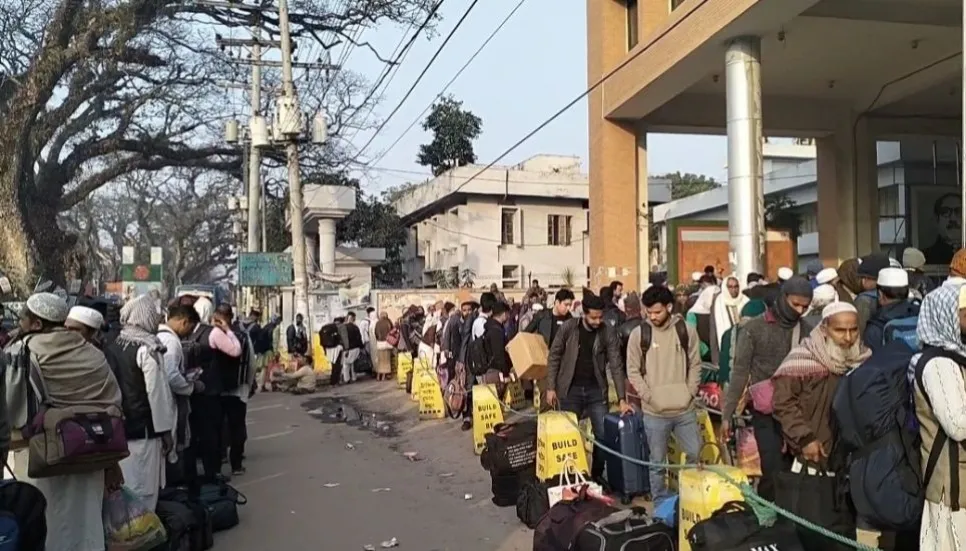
x,y
625,434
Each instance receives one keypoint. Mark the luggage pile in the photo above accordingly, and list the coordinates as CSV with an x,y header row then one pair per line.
x,y
510,456
191,521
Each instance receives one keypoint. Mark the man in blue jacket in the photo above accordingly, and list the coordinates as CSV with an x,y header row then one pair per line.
x,y
892,288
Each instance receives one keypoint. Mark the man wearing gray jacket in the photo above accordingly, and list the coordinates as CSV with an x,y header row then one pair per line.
x,y
584,350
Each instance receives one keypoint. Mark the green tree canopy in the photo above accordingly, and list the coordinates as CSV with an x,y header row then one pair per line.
x,y
454,130
687,184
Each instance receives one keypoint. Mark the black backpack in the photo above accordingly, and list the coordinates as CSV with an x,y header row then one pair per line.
x,y
478,359
532,503
874,425
23,520
329,336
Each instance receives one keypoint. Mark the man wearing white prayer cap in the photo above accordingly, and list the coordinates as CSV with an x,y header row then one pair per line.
x,y
896,313
86,321
784,274
827,276
42,310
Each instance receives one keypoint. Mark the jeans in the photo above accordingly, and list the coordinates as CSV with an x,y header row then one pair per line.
x,y
769,437
658,430
235,411
590,402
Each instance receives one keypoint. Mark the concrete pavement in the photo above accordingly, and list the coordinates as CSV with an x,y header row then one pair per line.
x,y
298,445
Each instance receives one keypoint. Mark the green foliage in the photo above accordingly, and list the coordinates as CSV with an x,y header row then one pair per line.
x,y
454,278
687,184
454,130
780,213
277,236
375,223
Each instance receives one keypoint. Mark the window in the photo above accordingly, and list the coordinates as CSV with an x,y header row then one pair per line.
x,y
506,226
631,23
558,230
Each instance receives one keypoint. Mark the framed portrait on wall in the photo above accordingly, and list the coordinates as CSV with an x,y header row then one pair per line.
x,y
936,221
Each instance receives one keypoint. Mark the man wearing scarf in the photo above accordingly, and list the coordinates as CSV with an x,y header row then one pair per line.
x,y
149,406
74,372
849,284
725,313
761,346
805,385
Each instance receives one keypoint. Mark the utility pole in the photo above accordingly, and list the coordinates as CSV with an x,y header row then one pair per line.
x,y
254,155
290,101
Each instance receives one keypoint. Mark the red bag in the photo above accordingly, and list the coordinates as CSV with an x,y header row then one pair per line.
x,y
563,522
392,339
710,393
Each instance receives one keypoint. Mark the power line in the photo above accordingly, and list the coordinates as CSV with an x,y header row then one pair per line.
x,y
452,80
418,79
397,61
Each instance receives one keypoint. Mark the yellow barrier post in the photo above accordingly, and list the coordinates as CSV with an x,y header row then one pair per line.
x,y
487,413
431,405
710,452
558,442
514,397
702,493
420,366
404,364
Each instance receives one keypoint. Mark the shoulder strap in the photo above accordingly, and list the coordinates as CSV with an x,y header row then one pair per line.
x,y
796,334
942,439
645,343
682,328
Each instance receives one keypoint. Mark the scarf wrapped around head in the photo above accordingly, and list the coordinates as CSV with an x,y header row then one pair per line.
x,y
939,319
139,323
797,286
818,356
705,301
849,275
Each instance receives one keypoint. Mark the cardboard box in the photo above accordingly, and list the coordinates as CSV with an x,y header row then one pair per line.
x,y
528,353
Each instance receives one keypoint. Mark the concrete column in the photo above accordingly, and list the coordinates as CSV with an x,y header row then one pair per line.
x,y
327,245
612,152
848,193
746,226
643,215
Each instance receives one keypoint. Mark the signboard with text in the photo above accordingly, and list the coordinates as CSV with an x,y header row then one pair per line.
x,y
264,269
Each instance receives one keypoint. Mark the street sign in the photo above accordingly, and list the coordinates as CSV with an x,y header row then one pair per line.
x,y
264,269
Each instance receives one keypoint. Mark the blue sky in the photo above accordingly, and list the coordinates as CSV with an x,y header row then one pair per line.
x,y
534,66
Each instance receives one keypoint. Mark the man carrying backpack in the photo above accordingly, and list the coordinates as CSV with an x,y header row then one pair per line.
x,y
896,316
664,366
867,302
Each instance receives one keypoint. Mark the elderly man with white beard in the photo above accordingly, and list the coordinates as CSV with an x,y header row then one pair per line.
x,y
805,385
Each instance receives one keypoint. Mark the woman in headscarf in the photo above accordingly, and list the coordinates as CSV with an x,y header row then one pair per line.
x,y
850,284
725,313
940,399
804,387
681,295
149,406
699,316
383,367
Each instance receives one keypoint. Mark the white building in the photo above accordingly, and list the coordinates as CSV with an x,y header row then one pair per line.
x,y
506,224
913,175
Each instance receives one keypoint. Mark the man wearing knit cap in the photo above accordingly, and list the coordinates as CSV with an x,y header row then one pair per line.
x,y
895,310
761,346
919,283
867,302
86,321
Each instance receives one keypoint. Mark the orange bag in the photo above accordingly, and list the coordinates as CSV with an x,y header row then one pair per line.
x,y
748,459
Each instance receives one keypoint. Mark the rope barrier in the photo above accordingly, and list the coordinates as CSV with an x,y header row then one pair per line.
x,y
766,511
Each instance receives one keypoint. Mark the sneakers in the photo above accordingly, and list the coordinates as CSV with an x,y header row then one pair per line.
x,y
238,472
467,425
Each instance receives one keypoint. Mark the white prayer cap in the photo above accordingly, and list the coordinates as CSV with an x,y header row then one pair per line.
x,y
785,273
837,308
824,294
695,276
893,277
826,276
48,306
536,306
86,316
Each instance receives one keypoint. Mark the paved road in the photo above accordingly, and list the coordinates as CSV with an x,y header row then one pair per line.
x,y
296,447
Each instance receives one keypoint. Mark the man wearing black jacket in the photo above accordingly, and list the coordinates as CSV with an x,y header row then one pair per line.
x,y
632,311
548,322
613,316
582,353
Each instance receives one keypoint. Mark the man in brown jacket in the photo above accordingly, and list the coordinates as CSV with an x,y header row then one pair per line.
x,y
664,366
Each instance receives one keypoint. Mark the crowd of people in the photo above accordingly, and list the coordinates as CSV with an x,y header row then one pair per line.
x,y
177,379
779,349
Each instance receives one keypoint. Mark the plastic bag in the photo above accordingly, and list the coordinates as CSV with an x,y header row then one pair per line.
x,y
128,524
748,458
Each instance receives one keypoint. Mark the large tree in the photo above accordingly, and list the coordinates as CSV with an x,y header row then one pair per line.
x,y
94,90
454,130
687,184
